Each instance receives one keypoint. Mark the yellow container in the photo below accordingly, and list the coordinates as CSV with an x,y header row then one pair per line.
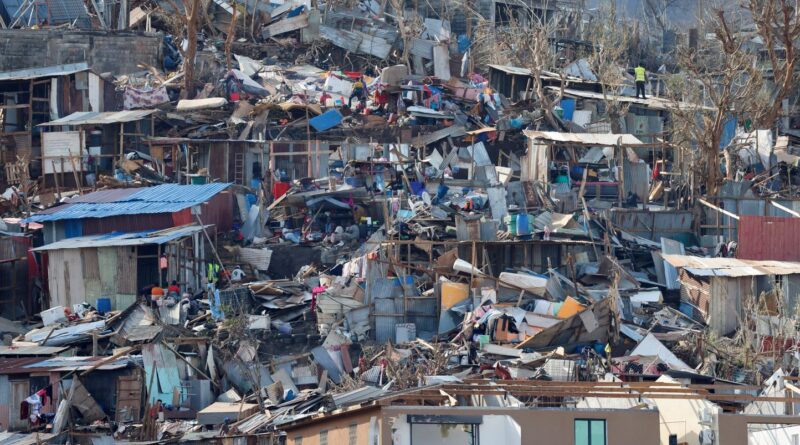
x,y
570,308
453,293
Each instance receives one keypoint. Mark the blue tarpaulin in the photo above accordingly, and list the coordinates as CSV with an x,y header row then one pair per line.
x,y
568,105
463,43
296,11
728,132
326,121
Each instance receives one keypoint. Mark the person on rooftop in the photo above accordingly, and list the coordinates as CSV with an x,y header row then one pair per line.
x,y
641,79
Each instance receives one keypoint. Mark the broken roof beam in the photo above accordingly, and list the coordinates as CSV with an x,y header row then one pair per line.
x,y
785,209
721,210
449,132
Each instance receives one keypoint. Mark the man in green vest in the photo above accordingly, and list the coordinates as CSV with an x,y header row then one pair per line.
x,y
641,78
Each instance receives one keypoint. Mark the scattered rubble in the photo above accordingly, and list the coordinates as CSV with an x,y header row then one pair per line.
x,y
310,212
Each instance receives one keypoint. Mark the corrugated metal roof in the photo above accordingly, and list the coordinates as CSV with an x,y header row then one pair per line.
x,y
78,363
176,193
111,195
654,103
96,118
165,198
50,71
31,350
37,364
15,365
360,395
731,267
122,239
583,138
517,71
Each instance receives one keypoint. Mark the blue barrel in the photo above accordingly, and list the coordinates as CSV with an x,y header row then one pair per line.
x,y
103,305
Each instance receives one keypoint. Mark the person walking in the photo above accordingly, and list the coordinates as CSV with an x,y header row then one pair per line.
x,y
358,92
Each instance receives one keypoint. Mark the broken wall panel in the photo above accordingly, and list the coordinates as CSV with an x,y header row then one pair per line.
x,y
117,53
654,225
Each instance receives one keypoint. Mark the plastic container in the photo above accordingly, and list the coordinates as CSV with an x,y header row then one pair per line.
x,y
103,305
53,315
198,179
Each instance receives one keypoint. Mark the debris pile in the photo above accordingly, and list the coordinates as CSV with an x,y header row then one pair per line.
x,y
308,212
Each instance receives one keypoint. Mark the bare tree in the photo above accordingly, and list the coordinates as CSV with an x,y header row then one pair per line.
x,y
525,41
778,25
717,79
188,15
610,43
657,9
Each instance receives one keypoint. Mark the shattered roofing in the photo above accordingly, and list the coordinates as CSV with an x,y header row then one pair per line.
x,y
584,138
165,198
96,118
122,239
37,364
34,73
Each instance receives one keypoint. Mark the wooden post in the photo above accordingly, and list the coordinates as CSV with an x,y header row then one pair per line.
x,y
121,142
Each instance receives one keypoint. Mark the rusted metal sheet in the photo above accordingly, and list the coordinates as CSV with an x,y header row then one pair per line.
x,y
769,238
696,291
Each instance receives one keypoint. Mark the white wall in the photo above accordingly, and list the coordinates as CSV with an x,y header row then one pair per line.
x,y
776,436
681,417
494,430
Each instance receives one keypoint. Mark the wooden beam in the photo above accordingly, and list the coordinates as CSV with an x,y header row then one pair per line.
x,y
785,209
723,211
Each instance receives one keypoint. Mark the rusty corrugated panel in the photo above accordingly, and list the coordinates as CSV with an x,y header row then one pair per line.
x,y
696,291
140,223
769,238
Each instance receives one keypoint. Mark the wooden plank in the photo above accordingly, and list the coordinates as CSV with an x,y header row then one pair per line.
x,y
285,25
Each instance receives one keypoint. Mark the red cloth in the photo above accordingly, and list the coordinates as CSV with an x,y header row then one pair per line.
x,y
279,189
173,288
381,97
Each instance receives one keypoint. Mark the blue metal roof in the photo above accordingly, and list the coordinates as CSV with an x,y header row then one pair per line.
x,y
165,198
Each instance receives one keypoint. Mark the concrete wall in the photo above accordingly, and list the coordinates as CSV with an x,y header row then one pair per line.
x,y
338,430
681,417
733,428
783,435
117,53
494,429
550,426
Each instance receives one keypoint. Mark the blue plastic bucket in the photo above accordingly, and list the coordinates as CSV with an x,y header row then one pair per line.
x,y
103,305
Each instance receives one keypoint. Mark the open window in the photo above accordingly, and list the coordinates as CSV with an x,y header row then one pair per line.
x,y
444,430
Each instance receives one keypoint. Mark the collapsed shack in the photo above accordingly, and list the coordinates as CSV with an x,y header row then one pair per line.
x,y
329,223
